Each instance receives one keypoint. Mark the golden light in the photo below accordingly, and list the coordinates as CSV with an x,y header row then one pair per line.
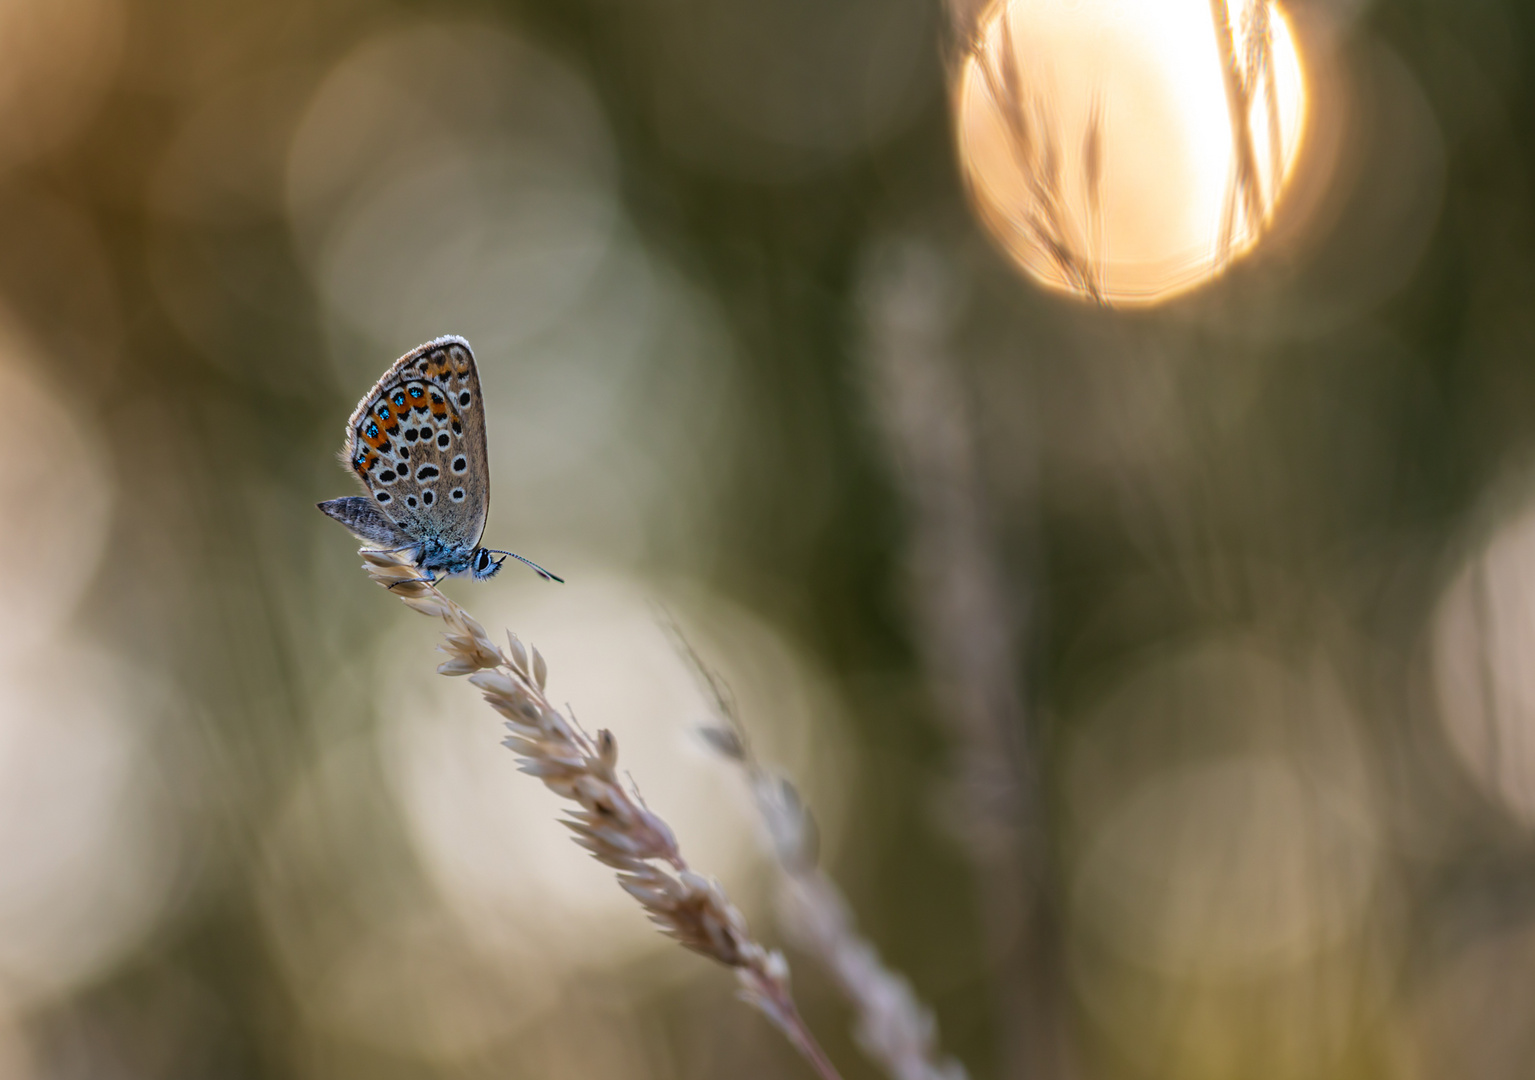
x,y
89,844
1226,852
1129,151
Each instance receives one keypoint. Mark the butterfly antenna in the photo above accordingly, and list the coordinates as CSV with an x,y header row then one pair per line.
x,y
546,575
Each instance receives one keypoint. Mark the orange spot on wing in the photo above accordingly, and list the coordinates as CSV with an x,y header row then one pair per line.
x,y
371,431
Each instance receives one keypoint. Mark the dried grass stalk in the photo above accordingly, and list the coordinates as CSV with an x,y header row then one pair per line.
x,y
1046,222
891,1025
610,821
1258,73
1244,76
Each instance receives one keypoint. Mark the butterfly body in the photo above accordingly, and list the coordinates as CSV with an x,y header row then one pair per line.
x,y
416,441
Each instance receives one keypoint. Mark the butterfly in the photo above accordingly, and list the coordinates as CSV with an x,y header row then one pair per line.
x,y
417,443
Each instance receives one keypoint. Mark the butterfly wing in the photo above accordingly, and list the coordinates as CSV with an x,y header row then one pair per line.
x,y
362,516
417,443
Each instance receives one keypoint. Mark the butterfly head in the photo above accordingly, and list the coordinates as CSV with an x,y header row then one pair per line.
x,y
482,565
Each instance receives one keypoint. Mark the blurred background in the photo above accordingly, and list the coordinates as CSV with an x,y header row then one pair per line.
x,y
1096,440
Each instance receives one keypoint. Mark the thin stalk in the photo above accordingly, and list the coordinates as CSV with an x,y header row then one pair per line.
x,y
1238,105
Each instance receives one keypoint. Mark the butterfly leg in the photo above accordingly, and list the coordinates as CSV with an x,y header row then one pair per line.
x,y
430,582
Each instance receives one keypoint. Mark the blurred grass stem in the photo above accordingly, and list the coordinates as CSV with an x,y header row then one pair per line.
x,y
1240,78
966,624
892,1027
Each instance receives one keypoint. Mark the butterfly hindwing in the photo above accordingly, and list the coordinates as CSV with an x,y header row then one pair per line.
x,y
417,443
420,481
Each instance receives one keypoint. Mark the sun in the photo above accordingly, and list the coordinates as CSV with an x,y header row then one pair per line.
x,y
1129,150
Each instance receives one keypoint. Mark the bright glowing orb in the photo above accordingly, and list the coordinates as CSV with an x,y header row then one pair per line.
x,y
1128,150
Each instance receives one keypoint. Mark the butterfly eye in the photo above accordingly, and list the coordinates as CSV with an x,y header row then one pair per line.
x,y
383,412
362,459
415,391
372,430
399,399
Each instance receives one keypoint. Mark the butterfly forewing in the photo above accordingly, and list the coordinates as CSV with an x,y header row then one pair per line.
x,y
417,442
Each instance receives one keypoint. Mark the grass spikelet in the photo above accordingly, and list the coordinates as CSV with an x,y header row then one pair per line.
x,y
609,820
892,1027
